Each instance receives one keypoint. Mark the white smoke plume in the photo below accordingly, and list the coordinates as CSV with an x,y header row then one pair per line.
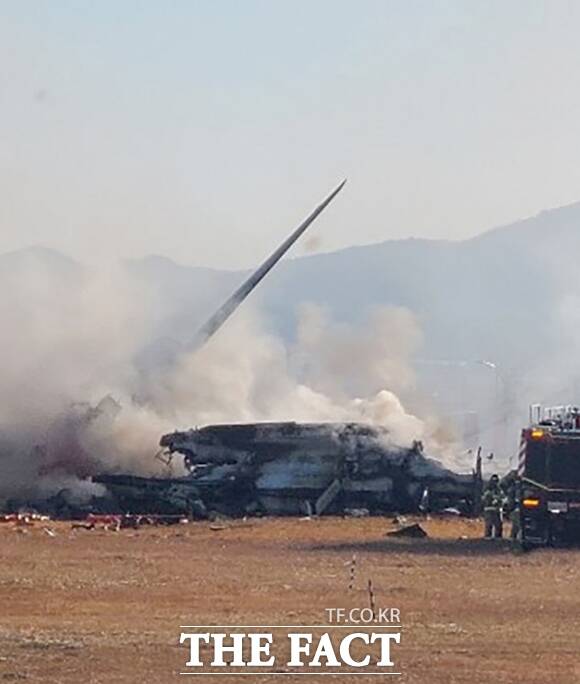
x,y
331,373
70,341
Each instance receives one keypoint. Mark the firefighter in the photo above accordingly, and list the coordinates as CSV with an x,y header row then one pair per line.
x,y
493,500
516,521
513,505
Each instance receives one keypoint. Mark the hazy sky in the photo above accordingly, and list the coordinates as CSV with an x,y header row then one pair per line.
x,y
205,130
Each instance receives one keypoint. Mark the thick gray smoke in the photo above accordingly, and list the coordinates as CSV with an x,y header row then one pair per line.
x,y
68,338
71,340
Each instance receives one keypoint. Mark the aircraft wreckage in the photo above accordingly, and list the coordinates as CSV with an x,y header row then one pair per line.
x,y
290,468
277,468
293,468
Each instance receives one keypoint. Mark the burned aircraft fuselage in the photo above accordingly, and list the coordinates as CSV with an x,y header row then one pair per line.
x,y
293,468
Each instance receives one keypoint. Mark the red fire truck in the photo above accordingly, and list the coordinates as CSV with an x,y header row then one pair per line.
x,y
549,477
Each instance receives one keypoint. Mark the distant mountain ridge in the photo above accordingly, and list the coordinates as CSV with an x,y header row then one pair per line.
x,y
477,298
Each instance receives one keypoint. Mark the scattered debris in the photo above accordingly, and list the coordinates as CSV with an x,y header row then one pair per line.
x,y
400,520
119,522
414,531
356,512
24,522
83,526
23,518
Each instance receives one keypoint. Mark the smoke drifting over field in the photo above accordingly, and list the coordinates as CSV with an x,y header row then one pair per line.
x,y
71,338
331,373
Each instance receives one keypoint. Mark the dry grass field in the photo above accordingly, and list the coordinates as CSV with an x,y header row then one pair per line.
x,y
101,606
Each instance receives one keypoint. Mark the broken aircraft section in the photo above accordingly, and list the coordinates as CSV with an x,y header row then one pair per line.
x,y
293,469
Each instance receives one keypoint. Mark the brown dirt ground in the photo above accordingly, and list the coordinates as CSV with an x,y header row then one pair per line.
x,y
103,606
